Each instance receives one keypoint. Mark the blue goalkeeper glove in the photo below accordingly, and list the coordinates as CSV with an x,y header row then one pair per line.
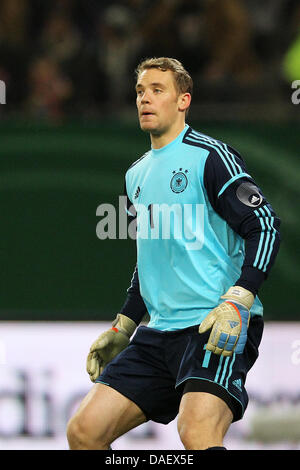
x,y
229,322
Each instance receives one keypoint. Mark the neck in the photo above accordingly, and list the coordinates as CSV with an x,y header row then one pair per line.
x,y
160,140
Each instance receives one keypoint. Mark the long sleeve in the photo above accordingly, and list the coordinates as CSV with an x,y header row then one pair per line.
x,y
134,306
239,201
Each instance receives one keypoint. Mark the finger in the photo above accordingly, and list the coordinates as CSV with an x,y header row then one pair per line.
x,y
207,323
210,347
219,351
231,344
226,353
89,363
93,377
240,345
100,344
225,344
216,341
96,372
95,364
214,349
222,341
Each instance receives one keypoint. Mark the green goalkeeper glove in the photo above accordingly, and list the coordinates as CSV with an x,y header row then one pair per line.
x,y
229,322
109,344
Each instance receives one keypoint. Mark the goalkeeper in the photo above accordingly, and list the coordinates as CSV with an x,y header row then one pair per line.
x,y
199,289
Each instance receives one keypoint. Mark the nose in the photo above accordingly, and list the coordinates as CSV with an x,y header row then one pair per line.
x,y
145,97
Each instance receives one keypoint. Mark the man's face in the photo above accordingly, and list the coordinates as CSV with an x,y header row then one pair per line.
x,y
157,100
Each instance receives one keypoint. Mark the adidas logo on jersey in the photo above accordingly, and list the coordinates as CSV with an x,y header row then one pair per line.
x,y
238,384
136,195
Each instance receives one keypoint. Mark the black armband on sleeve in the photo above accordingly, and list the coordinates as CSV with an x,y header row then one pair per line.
x,y
242,204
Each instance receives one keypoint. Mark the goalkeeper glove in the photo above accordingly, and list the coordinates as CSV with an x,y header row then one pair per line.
x,y
109,344
229,322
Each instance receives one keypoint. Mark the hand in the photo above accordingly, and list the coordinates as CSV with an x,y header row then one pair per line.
x,y
109,345
229,322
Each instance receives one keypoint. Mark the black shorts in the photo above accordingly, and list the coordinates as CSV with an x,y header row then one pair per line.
x,y
159,366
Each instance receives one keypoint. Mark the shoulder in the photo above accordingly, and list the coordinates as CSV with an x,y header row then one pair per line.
x,y
215,146
139,160
221,157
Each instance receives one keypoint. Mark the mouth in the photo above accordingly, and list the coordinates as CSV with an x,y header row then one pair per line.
x,y
147,113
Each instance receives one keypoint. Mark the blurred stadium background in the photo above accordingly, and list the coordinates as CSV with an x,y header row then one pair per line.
x,y
69,131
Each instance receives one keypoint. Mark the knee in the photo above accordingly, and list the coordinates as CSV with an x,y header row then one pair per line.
x,y
81,436
189,435
76,434
198,434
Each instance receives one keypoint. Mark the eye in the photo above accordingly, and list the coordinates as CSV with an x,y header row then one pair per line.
x,y
157,90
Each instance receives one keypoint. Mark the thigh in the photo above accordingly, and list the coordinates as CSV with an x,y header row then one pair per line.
x,y
203,420
106,412
206,410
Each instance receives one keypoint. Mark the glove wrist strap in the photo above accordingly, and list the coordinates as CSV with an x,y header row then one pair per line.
x,y
124,325
240,295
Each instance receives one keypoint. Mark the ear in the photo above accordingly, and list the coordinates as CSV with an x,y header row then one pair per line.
x,y
184,101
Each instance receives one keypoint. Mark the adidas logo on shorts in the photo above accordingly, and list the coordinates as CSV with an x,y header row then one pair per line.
x,y
238,384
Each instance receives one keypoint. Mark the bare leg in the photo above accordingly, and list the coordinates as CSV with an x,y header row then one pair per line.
x,y
103,416
203,420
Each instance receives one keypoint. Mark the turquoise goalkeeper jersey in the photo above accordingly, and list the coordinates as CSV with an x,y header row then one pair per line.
x,y
190,245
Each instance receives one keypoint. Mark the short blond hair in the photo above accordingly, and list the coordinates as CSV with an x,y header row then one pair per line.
x,y
183,80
